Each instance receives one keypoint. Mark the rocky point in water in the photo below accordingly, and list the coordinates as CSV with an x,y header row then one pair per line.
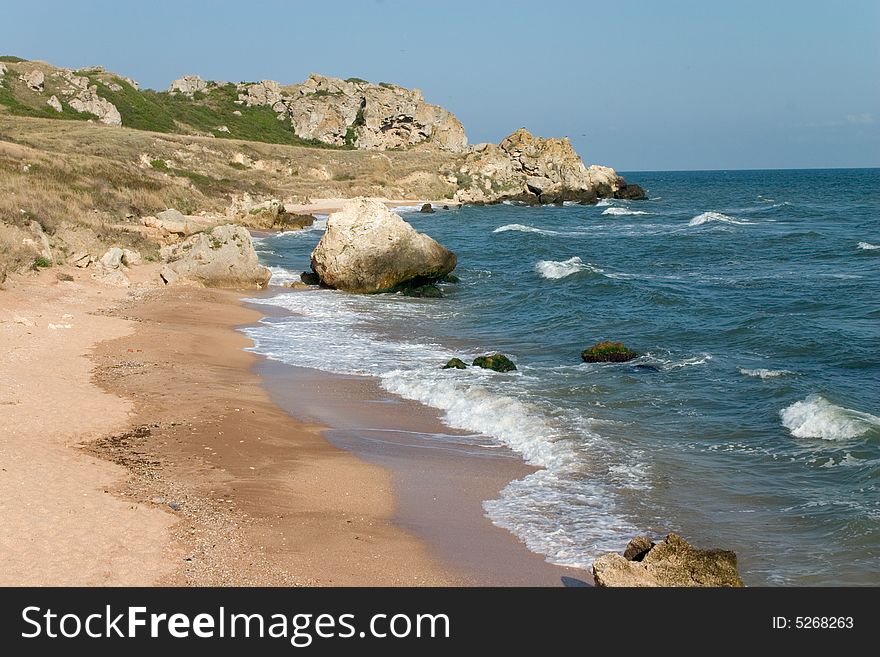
x,y
496,362
367,248
536,171
672,562
608,352
455,364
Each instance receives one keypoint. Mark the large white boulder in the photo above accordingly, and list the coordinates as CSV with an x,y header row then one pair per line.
x,y
225,257
367,248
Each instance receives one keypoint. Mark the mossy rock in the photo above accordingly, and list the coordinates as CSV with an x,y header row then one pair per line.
x,y
310,278
455,364
608,352
287,221
450,278
429,291
427,208
496,362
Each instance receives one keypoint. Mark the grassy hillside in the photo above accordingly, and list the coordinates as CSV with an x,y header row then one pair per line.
x,y
204,114
87,185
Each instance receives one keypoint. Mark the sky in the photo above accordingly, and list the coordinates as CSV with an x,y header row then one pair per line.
x,y
637,85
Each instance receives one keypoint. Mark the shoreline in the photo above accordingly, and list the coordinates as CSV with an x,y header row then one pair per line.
x,y
330,205
170,461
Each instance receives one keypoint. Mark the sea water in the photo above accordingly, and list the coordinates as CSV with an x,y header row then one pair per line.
x,y
752,296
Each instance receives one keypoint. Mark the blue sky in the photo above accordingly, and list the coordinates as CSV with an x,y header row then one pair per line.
x,y
635,85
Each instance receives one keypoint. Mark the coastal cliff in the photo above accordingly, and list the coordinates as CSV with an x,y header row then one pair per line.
x,y
88,159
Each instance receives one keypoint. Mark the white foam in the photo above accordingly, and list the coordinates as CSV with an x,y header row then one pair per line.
x,y
602,202
765,373
866,246
555,269
524,229
318,224
816,417
622,212
708,217
346,334
280,276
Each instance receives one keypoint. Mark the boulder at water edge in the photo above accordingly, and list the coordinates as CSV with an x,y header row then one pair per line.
x,y
223,257
671,562
367,248
496,362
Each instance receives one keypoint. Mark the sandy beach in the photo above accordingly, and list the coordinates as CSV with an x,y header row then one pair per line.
x,y
162,459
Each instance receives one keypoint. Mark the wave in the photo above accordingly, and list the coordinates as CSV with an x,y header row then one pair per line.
x,y
524,229
555,269
545,509
621,212
602,202
280,276
816,417
707,217
765,373
866,246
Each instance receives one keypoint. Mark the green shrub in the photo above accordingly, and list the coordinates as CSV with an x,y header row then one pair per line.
x,y
42,262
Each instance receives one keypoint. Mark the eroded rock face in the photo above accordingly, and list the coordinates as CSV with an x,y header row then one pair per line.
x,y
533,170
671,562
225,257
90,102
34,80
187,85
367,248
55,104
358,113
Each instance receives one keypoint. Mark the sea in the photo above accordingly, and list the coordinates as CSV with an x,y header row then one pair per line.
x,y
751,419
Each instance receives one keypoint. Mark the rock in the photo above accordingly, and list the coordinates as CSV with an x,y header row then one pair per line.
x,y
367,248
174,222
310,278
672,562
294,221
297,285
80,259
112,259
427,209
131,258
222,128
630,191
450,278
3,69
637,548
496,362
40,241
89,102
608,352
531,170
455,364
358,114
55,104
63,276
225,257
34,80
429,291
187,85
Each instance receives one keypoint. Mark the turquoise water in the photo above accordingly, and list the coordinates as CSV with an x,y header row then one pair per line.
x,y
754,297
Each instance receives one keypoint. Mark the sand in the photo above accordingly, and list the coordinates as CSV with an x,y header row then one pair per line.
x,y
328,205
139,446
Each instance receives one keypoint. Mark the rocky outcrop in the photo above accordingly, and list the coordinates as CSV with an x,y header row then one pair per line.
x,y
33,79
455,364
225,257
90,102
495,362
358,113
672,562
367,248
55,104
188,85
608,352
534,170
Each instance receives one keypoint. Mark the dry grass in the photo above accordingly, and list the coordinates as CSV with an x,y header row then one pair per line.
x,y
84,183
